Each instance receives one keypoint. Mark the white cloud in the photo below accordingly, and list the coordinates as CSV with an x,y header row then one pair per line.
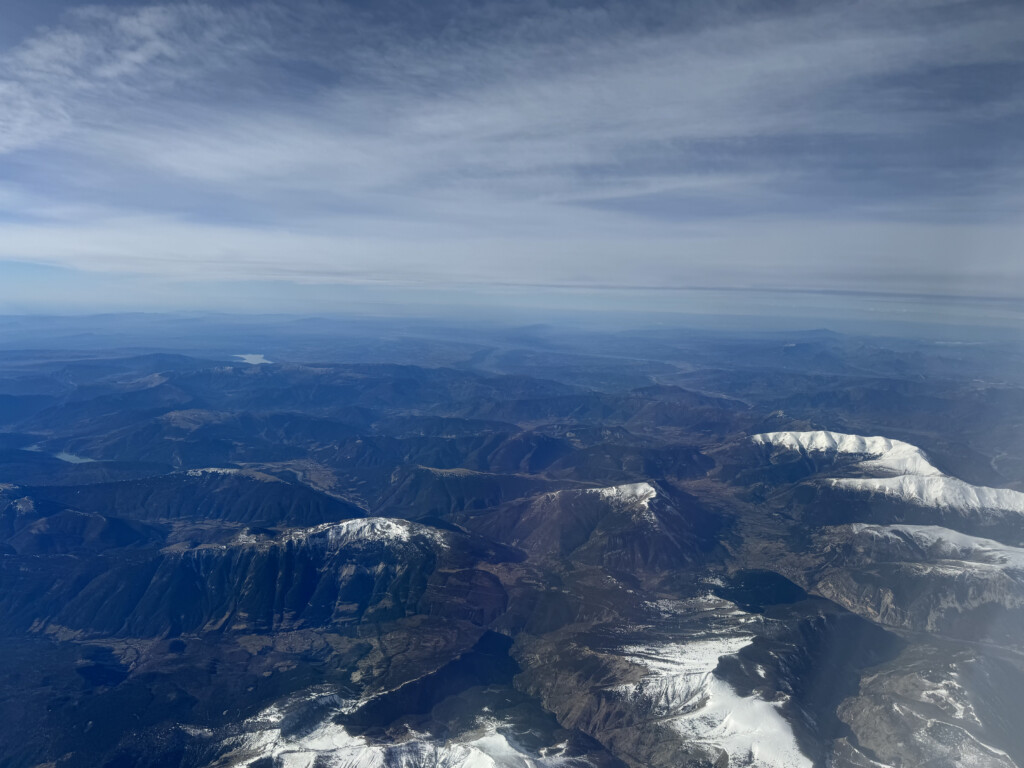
x,y
312,142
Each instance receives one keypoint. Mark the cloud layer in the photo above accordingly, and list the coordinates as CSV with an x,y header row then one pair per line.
x,y
869,146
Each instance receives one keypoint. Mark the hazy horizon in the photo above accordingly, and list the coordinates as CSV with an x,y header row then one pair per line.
x,y
736,312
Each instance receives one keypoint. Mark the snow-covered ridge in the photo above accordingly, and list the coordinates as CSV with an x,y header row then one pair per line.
x,y
892,455
251,474
907,473
367,530
678,675
331,746
942,491
213,471
635,496
633,493
681,690
945,544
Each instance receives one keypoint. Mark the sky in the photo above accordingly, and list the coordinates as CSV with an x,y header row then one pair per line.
x,y
312,154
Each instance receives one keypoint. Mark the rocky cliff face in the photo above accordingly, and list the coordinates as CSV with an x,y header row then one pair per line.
x,y
336,574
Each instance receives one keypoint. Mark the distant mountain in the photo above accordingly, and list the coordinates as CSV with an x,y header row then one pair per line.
x,y
643,550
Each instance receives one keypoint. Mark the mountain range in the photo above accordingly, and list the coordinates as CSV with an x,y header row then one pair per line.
x,y
531,547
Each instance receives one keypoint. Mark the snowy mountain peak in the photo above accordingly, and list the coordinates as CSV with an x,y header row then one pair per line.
x,y
906,473
367,530
632,493
886,454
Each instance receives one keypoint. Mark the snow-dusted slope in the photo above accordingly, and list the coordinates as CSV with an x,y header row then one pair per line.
x,y
329,745
681,688
634,493
213,471
366,531
635,496
943,544
923,578
906,473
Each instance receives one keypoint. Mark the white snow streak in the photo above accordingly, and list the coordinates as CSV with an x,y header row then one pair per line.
x,y
369,530
908,475
635,495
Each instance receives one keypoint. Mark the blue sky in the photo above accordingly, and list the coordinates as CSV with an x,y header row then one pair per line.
x,y
254,154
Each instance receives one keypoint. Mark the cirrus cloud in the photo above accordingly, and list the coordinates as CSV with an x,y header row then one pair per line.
x,y
817,146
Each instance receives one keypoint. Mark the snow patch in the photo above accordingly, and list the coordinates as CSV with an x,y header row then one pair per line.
x,y
71,458
952,699
636,495
681,689
213,471
749,729
368,530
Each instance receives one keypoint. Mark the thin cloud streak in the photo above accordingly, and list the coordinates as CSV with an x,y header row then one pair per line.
x,y
821,148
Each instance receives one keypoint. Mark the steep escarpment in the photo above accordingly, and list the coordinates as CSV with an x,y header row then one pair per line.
x,y
332,575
